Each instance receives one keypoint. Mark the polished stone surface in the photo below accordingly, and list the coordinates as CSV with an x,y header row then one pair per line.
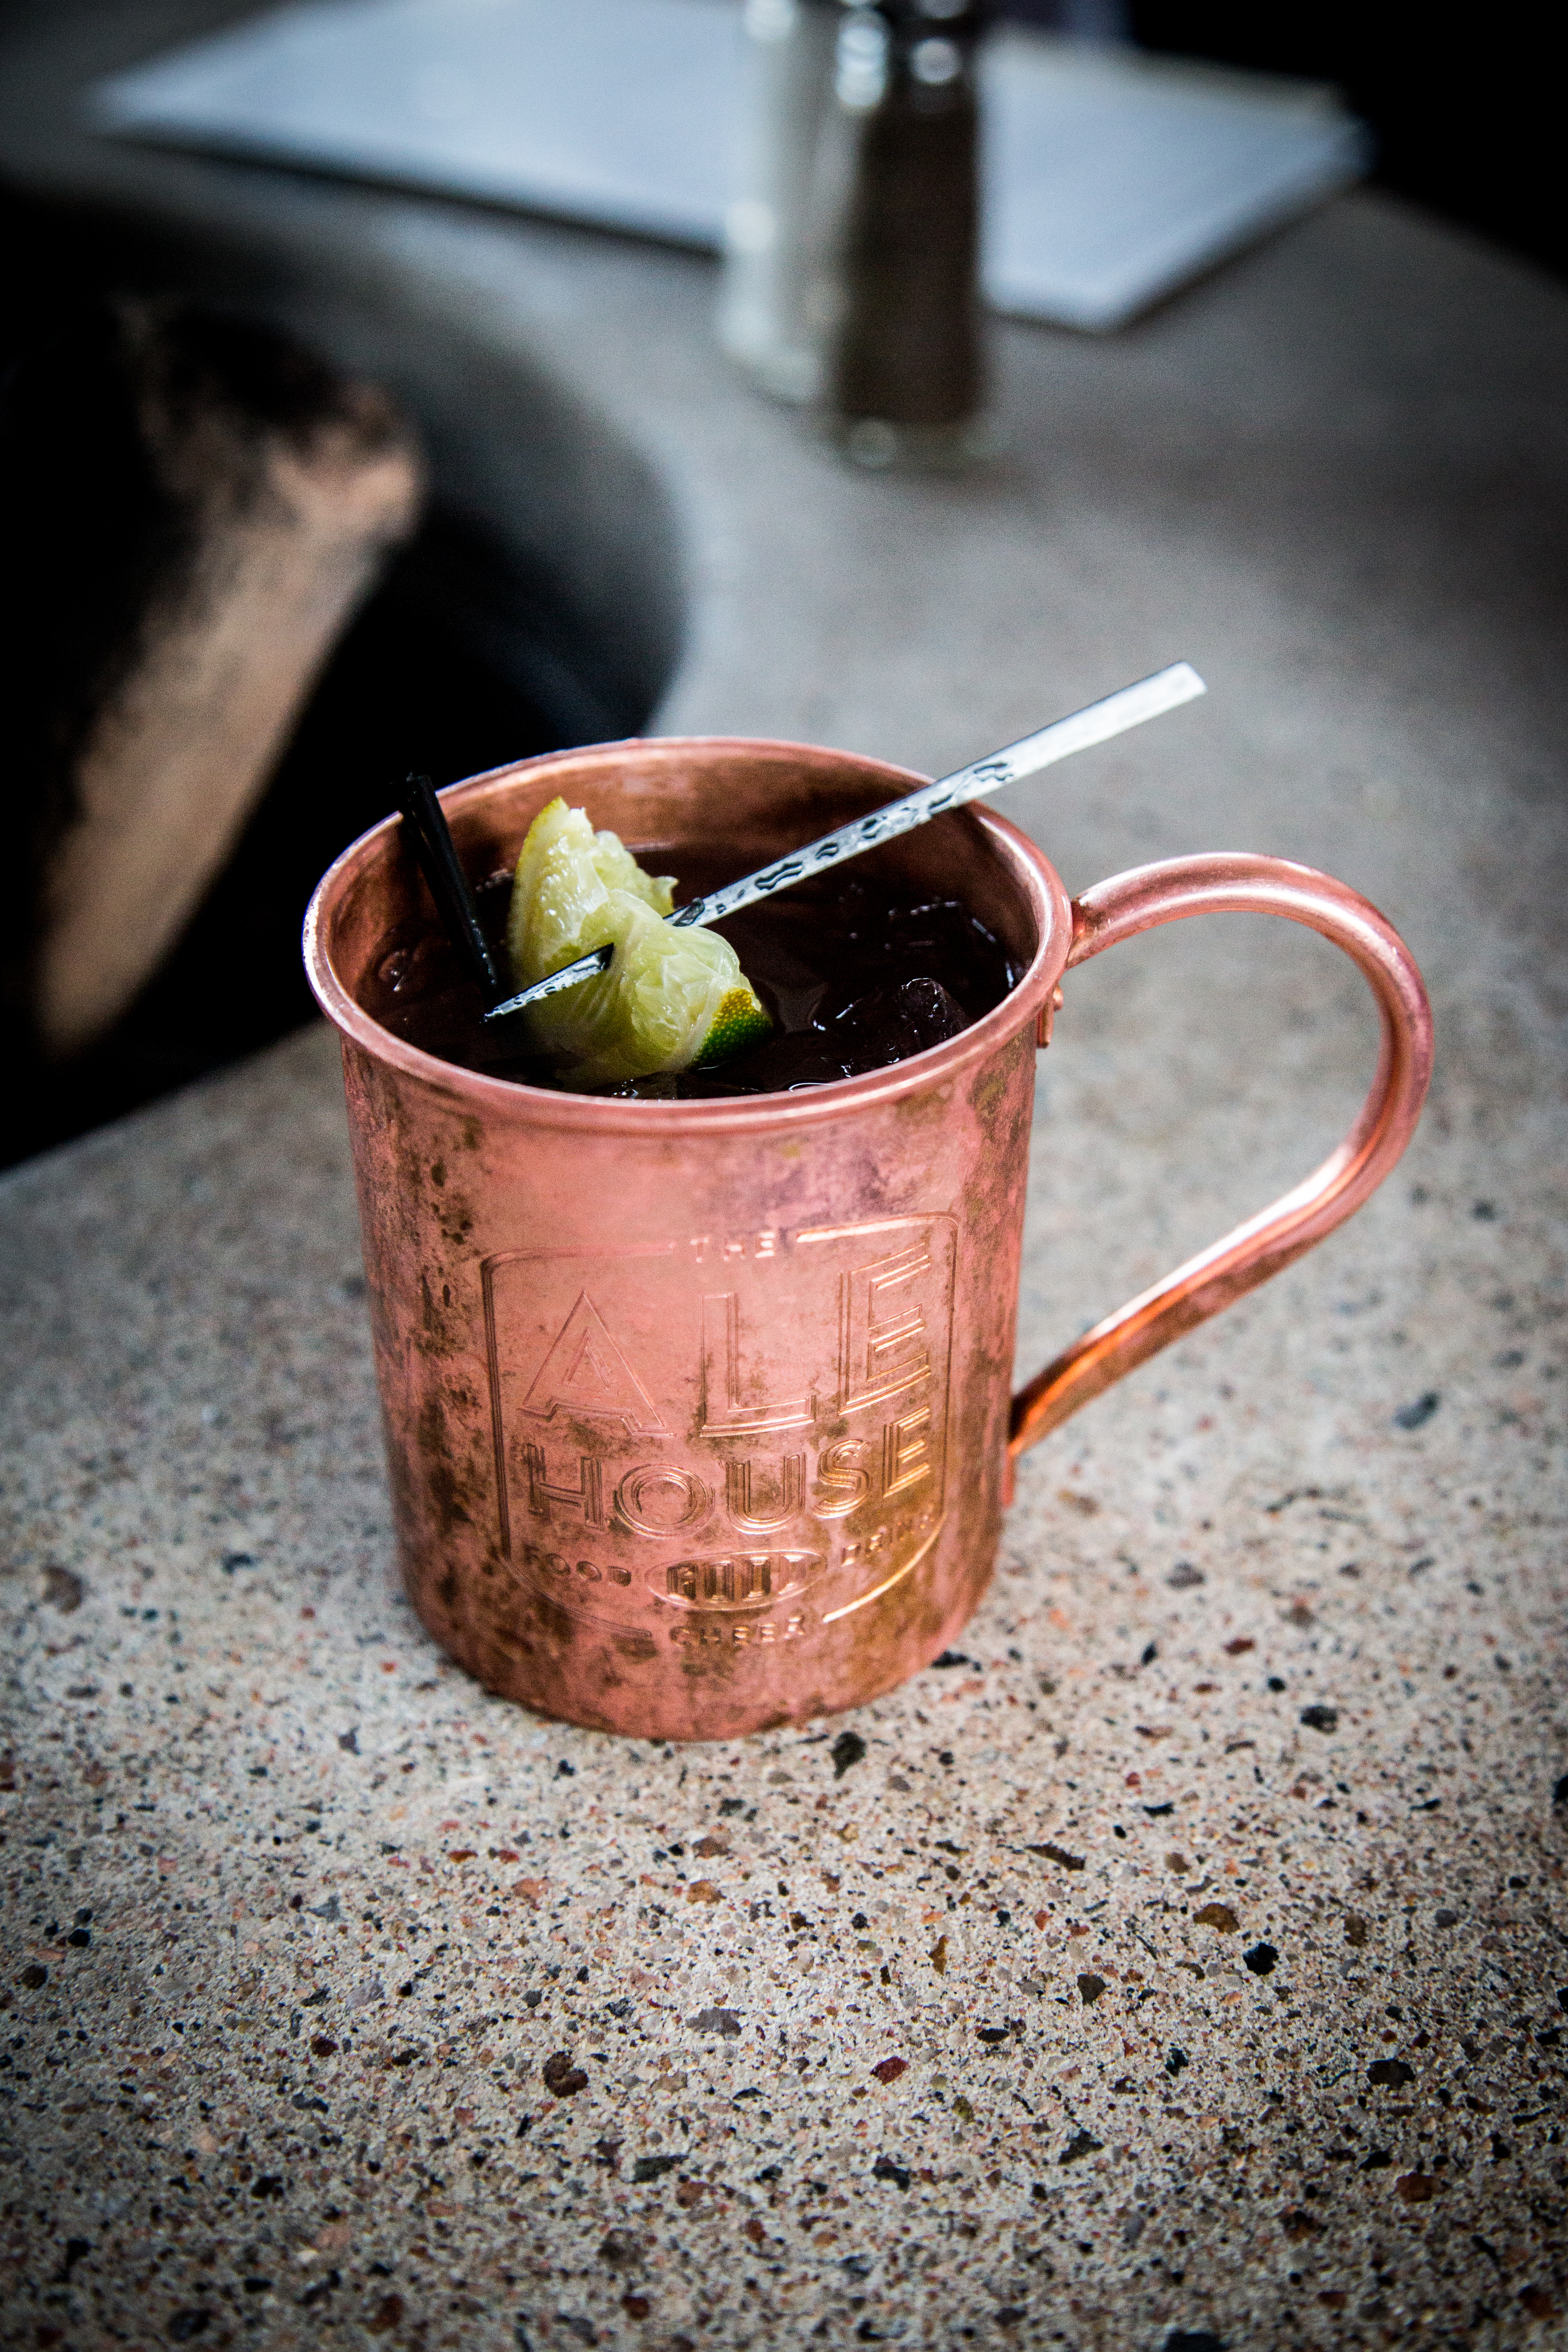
x,y
1190,1956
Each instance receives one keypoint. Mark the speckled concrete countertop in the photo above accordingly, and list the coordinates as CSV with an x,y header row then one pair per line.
x,y
1184,1964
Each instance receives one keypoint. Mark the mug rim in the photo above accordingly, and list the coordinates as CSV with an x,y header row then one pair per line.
x,y
834,1098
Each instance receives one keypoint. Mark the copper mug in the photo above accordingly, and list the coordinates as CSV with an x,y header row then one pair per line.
x,y
698,1411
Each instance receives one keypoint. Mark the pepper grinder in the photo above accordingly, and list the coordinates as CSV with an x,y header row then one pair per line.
x,y
773,263
904,380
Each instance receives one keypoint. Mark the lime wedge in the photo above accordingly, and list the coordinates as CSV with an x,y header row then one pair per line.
x,y
670,1000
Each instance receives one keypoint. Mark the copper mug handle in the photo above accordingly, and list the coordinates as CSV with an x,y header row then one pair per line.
x,y
1240,885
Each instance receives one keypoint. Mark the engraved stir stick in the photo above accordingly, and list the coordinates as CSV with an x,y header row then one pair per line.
x,y
1096,723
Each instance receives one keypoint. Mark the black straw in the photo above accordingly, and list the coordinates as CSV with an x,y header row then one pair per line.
x,y
425,821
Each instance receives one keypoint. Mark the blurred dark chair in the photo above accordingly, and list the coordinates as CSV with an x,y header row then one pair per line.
x,y
141,444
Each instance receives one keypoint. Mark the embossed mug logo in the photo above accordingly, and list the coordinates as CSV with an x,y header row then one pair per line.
x,y
748,1580
796,1439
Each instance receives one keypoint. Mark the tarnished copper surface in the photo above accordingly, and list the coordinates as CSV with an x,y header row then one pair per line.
x,y
697,1412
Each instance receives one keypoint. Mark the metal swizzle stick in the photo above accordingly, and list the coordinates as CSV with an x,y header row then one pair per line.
x,y
1150,698
1097,724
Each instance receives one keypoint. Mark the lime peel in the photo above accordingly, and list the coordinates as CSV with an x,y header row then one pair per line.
x,y
670,1000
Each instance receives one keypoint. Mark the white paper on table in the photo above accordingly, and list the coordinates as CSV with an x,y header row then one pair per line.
x,y
1110,178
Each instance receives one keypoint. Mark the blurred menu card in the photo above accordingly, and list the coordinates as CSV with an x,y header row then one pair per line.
x,y
1110,178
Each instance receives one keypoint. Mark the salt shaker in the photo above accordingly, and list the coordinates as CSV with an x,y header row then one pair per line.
x,y
769,302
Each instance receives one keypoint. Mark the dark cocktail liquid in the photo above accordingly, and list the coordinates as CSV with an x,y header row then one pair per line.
x,y
857,970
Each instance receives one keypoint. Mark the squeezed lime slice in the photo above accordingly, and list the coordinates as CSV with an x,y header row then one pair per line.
x,y
670,1000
